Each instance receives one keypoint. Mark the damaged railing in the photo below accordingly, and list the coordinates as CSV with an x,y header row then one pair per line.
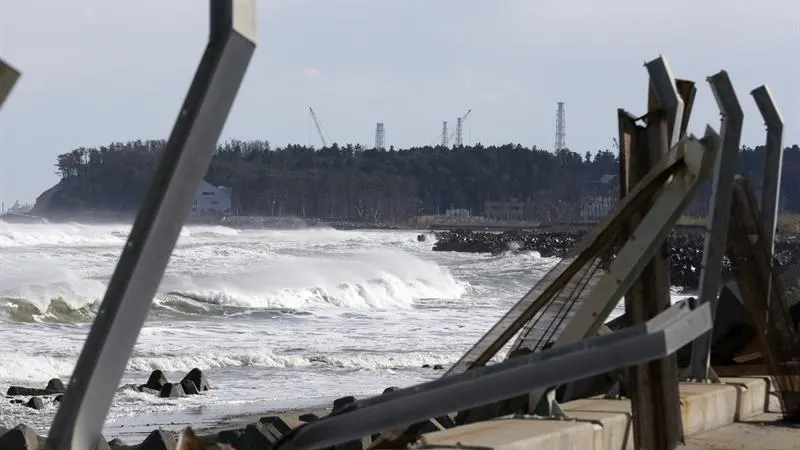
x,y
581,291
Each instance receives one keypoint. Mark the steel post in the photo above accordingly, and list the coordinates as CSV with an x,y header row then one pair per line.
x,y
8,78
653,387
662,335
644,241
79,420
716,227
773,163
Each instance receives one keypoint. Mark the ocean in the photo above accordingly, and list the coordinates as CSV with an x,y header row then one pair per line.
x,y
278,319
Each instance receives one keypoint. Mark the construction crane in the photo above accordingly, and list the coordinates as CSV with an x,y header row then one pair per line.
x,y
458,133
459,129
319,129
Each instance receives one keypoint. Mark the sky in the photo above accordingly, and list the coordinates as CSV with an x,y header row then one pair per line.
x,y
100,71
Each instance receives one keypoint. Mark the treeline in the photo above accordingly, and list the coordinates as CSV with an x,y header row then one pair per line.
x,y
367,184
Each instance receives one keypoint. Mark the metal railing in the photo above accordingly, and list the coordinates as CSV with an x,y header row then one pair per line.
x,y
661,336
659,198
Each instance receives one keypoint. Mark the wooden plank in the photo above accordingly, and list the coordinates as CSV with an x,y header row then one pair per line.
x,y
653,387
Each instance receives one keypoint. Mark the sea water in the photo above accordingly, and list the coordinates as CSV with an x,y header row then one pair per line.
x,y
276,318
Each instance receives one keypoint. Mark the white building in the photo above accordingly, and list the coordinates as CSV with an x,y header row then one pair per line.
x,y
210,200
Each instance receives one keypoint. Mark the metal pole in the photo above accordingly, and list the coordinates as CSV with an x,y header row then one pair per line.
x,y
654,386
662,335
716,227
773,163
629,261
79,420
8,77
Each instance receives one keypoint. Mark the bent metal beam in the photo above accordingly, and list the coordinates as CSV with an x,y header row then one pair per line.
x,y
8,77
79,420
661,336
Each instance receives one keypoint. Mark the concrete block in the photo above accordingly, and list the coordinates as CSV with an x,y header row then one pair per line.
x,y
599,404
753,395
516,434
707,406
613,430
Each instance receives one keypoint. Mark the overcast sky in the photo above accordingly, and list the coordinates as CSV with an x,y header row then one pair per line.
x,y
97,71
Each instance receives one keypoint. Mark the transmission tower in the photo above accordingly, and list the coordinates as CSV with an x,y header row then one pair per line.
x,y
444,134
459,133
380,136
561,130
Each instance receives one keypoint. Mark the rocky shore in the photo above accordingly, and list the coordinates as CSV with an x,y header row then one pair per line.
x,y
686,248
245,432
248,432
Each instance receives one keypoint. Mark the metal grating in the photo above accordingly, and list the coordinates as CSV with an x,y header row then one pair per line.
x,y
231,43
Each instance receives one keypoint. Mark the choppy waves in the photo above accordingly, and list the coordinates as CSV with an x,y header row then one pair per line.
x,y
58,273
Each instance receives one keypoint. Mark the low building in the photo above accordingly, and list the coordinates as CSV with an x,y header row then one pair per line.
x,y
457,212
210,200
513,210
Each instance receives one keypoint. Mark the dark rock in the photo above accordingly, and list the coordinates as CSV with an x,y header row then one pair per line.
x,y
230,437
257,436
117,443
438,367
158,440
343,401
147,390
35,403
686,248
189,387
199,378
20,437
58,398
15,401
426,366
421,237
56,386
156,381
172,390
26,391
309,417
390,389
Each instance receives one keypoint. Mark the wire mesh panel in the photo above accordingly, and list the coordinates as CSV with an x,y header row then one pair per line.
x,y
763,296
557,290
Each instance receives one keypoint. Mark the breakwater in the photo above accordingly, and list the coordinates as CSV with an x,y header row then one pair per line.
x,y
686,248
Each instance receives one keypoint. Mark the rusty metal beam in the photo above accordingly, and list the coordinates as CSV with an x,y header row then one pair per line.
x,y
653,386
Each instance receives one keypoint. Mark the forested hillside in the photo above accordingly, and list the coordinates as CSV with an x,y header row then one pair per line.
x,y
351,182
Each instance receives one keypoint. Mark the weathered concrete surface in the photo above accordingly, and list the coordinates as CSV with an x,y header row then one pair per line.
x,y
753,395
516,434
764,432
601,424
708,406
